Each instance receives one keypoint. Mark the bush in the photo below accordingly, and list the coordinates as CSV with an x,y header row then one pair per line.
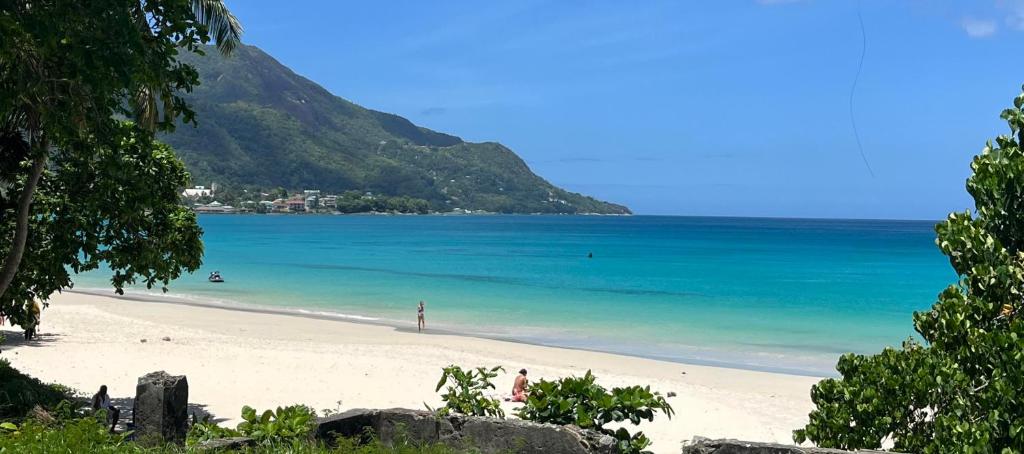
x,y
79,435
465,393
285,425
19,393
581,401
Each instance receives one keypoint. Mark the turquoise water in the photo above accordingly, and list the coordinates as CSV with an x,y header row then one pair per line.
x,y
775,294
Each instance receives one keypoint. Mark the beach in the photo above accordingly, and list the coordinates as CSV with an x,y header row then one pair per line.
x,y
234,358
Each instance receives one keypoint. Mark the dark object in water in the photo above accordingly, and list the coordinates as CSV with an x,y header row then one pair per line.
x,y
215,277
590,255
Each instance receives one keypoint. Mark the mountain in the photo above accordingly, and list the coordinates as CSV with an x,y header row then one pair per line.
x,y
260,124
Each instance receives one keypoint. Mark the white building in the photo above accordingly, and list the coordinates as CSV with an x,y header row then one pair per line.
x,y
197,192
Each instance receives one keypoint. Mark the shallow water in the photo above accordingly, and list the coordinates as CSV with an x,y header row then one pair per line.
x,y
775,294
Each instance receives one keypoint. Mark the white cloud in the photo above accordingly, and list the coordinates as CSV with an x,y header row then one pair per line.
x,y
978,28
1015,12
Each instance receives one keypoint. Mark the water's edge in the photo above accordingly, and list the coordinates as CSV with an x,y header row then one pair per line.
x,y
295,311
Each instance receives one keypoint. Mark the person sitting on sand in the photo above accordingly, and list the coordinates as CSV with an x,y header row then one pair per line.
x,y
519,387
421,323
101,400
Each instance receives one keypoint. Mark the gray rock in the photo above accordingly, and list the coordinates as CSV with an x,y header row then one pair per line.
x,y
701,445
161,408
485,435
226,444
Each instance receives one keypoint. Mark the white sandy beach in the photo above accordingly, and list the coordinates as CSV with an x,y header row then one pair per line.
x,y
234,358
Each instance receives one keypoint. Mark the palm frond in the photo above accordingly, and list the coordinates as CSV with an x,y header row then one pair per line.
x,y
223,26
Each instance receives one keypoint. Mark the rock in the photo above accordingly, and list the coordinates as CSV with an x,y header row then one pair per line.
x,y
166,339
485,435
226,444
387,425
670,394
492,435
41,416
142,340
701,445
161,408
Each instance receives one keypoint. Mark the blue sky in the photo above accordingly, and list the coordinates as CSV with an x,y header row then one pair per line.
x,y
695,108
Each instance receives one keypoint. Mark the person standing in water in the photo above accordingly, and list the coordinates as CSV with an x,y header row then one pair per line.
x,y
421,323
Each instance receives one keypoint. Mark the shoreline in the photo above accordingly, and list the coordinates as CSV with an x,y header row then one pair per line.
x,y
234,358
408,327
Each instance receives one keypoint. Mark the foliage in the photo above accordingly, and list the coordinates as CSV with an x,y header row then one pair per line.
x,y
19,393
267,126
205,430
80,185
581,401
357,202
465,393
963,390
284,425
79,435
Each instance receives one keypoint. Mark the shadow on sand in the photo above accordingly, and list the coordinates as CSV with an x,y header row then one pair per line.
x,y
127,418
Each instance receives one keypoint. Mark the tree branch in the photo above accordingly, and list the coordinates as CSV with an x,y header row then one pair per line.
x,y
13,259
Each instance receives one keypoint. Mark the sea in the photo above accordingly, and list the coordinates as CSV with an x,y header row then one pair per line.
x,y
781,295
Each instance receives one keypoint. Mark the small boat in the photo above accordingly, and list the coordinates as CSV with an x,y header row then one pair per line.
x,y
215,277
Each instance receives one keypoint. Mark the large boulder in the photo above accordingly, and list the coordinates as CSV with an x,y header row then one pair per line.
x,y
705,446
387,425
492,435
485,435
161,408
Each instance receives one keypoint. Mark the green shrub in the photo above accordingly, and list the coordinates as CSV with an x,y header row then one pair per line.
x,y
204,430
284,425
465,393
80,435
19,393
581,401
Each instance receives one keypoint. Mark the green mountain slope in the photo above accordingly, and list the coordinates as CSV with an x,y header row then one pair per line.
x,y
261,124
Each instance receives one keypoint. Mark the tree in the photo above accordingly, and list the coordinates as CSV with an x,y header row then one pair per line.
x,y
963,389
78,185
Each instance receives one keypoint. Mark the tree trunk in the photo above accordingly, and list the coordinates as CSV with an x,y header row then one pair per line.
x,y
13,259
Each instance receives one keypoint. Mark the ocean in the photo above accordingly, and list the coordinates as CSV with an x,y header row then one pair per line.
x,y
785,295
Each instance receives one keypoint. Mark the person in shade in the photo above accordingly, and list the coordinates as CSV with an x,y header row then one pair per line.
x,y
101,400
519,387
421,323
35,314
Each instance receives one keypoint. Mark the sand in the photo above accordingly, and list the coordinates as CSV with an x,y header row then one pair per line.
x,y
234,358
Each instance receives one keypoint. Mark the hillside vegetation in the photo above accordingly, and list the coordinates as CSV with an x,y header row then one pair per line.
x,y
262,125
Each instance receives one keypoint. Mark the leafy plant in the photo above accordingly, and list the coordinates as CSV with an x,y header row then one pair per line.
x,y
205,430
581,401
465,393
963,390
286,424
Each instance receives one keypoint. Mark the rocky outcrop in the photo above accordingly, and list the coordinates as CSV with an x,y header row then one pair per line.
x,y
161,408
485,435
706,446
226,444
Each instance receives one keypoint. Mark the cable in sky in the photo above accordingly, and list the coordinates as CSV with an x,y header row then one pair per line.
x,y
853,88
